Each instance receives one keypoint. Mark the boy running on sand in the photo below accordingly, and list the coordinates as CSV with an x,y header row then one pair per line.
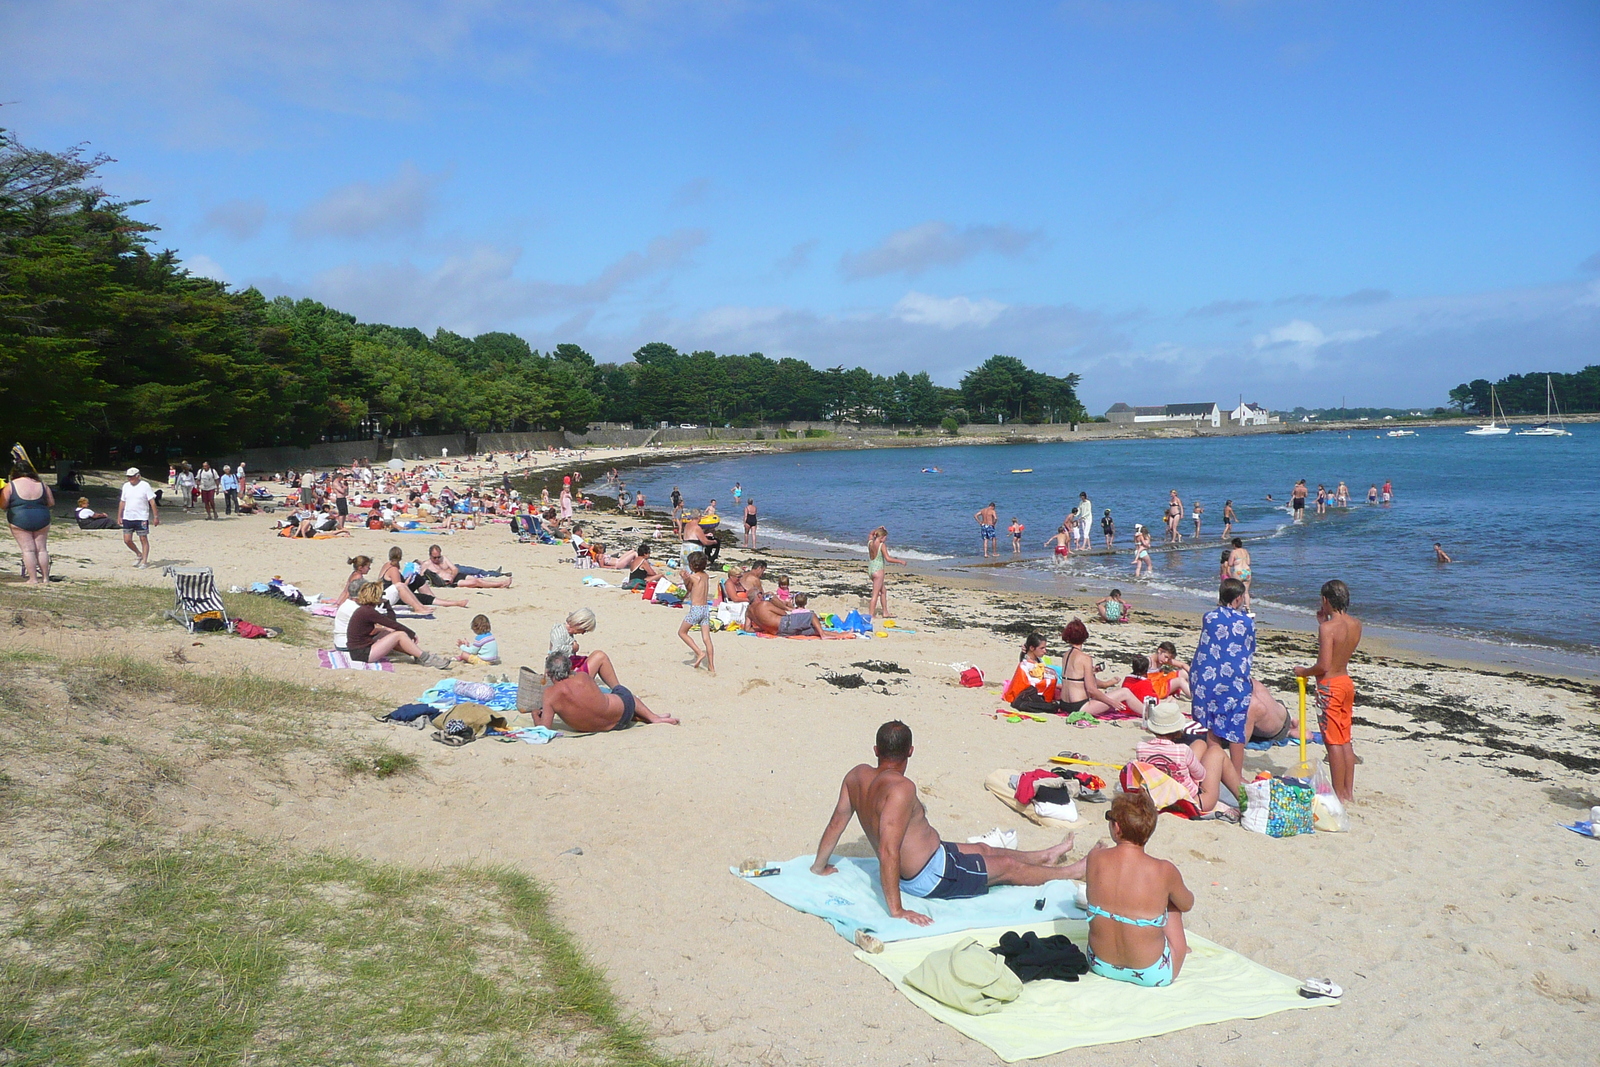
x,y
1338,634
698,612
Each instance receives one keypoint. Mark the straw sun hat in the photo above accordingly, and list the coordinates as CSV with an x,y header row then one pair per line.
x,y
1165,718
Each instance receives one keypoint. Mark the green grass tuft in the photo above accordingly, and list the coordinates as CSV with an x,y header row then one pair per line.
x,y
382,763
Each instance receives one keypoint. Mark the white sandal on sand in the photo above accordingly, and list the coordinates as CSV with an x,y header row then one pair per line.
x,y
1312,988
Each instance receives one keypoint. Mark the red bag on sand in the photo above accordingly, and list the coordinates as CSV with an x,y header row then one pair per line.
x,y
248,629
650,588
972,678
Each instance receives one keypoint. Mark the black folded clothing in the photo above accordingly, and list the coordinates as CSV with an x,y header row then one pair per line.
x,y
1032,957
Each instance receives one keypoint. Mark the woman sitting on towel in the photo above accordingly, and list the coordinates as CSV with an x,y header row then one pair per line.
x,y
1081,689
373,634
563,636
1135,902
359,566
413,590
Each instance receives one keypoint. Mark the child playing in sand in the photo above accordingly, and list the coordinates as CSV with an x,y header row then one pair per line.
x,y
483,650
1113,608
699,612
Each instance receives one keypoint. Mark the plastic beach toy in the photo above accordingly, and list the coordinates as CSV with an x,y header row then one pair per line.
x,y
1587,829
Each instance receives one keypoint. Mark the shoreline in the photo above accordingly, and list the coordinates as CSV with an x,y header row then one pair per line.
x,y
1402,643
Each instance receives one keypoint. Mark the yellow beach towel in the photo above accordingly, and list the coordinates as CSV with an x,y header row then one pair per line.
x,y
1216,985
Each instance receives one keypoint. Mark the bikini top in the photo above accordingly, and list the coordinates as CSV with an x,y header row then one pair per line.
x,y
1099,912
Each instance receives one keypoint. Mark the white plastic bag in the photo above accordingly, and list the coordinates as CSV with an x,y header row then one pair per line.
x,y
1257,805
1327,810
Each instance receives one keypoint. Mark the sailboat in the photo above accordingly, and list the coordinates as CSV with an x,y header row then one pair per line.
x,y
1493,429
1552,413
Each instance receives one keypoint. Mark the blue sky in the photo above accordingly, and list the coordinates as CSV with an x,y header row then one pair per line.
x,y
1296,202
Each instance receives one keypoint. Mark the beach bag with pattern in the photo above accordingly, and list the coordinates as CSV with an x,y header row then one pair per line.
x,y
1277,808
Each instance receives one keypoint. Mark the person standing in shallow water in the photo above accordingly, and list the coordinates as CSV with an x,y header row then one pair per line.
x,y
987,519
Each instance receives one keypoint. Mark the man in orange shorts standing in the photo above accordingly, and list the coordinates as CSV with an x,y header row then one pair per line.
x,y
1338,634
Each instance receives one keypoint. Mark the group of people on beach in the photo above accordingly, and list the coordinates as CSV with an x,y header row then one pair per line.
x,y
1136,902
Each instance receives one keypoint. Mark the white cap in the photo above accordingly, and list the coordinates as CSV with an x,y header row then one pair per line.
x,y
132,471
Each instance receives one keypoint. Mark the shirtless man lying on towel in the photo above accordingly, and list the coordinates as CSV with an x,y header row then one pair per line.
x,y
912,858
576,697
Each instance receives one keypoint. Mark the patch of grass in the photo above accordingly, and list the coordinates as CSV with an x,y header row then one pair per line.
x,y
382,763
134,943
219,950
98,605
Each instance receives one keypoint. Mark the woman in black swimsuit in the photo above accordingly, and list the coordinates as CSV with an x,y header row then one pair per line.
x,y
750,524
28,502
396,588
1080,689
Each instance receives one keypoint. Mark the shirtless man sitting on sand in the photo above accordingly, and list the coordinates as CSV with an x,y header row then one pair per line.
x,y
750,581
576,697
912,858
764,616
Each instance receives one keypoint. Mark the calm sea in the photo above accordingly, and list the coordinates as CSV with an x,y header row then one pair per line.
x,y
1518,514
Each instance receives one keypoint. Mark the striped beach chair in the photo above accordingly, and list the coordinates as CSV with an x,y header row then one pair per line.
x,y
196,602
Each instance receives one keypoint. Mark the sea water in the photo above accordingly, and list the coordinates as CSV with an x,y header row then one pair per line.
x,y
1517,514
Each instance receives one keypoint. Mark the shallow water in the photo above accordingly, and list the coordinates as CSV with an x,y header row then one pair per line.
x,y
1517,514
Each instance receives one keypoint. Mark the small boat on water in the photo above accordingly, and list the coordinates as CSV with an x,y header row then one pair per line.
x,y
1552,426
1023,470
1493,428
1401,433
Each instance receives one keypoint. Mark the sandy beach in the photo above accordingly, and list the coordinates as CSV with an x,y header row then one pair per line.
x,y
1458,916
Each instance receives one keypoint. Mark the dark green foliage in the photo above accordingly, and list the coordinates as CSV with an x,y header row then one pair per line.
x,y
1523,394
1003,386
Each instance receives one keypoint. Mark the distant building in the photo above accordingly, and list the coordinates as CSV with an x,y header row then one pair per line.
x,y
1167,414
1251,415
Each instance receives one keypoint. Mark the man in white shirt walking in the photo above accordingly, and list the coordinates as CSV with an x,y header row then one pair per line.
x,y
135,512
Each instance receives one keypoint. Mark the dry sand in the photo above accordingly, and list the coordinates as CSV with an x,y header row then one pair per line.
x,y
1459,918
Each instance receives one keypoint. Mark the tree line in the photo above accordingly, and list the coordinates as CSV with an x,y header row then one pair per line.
x,y
107,341
1523,394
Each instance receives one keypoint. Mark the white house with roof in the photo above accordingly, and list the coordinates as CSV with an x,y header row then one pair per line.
x,y
1251,415
1165,414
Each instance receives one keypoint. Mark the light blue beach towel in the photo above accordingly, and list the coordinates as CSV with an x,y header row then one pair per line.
x,y
852,900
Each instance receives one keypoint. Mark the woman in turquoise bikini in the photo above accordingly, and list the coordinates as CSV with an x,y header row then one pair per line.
x,y
1124,887
877,556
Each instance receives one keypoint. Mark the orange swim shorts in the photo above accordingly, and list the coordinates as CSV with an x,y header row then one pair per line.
x,y
1338,699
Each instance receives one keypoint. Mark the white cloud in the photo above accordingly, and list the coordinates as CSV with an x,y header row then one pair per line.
x,y
947,314
935,244
205,267
1298,342
364,209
